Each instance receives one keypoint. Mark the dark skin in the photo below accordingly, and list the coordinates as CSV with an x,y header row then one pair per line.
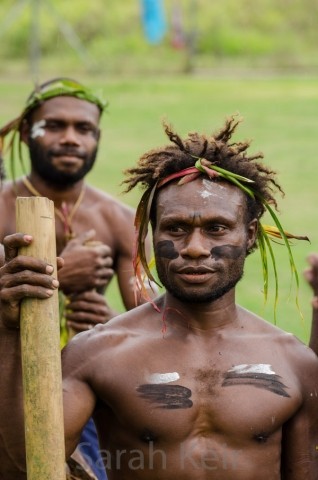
x,y
221,394
311,275
65,133
68,138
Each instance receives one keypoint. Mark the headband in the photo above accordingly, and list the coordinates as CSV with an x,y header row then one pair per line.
x,y
265,233
54,88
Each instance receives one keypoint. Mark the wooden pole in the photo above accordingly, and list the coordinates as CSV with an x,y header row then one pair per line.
x,y
40,347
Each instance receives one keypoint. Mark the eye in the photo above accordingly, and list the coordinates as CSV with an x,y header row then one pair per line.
x,y
53,125
86,128
175,228
215,229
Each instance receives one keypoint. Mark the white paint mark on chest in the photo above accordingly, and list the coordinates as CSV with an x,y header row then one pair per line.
x,y
37,129
252,368
163,377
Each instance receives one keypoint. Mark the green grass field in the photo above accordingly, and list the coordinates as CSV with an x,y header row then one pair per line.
x,y
280,116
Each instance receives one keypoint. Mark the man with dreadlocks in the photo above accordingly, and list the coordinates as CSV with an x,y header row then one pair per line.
x,y
94,232
190,385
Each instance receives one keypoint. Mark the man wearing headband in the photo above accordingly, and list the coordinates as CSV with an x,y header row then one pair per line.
x,y
60,127
191,385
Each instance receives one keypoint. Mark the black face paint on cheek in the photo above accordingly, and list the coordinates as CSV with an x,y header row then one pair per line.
x,y
231,252
267,381
166,396
165,249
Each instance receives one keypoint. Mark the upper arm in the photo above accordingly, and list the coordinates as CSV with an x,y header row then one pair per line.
x,y
300,433
125,241
78,398
126,278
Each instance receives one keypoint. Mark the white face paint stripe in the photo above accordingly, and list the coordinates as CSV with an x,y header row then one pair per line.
x,y
252,368
205,194
37,129
163,377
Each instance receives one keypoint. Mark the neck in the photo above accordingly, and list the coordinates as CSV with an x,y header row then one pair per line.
x,y
55,193
200,317
66,201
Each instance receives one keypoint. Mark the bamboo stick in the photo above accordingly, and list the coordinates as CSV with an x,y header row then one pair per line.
x,y
40,347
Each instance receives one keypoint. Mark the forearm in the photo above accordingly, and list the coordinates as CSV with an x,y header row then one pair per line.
x,y
12,445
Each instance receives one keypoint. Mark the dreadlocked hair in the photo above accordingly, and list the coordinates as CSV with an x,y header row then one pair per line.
x,y
158,163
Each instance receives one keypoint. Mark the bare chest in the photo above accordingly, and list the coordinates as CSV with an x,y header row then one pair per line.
x,y
240,400
86,218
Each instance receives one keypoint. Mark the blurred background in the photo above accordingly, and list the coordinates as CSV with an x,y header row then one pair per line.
x,y
193,63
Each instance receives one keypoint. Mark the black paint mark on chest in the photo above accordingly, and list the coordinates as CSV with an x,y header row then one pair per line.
x,y
166,396
165,249
226,251
266,381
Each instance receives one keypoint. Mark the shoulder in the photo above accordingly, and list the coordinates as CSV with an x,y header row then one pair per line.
x,y
108,205
105,340
294,358
296,352
300,358
7,190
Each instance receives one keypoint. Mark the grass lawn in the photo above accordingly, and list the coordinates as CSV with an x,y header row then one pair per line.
x,y
280,115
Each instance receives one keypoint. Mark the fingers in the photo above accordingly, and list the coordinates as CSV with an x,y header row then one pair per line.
x,y
2,255
12,243
59,262
84,237
312,259
21,263
314,303
15,294
86,310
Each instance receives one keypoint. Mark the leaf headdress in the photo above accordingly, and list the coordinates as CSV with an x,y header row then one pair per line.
x,y
54,88
265,233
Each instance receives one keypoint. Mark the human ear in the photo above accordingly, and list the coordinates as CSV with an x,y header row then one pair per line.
x,y
252,229
25,132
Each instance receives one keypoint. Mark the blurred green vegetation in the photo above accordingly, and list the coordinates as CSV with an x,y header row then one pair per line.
x,y
109,38
280,116
255,57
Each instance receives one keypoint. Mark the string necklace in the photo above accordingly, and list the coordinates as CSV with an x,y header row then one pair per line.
x,y
65,214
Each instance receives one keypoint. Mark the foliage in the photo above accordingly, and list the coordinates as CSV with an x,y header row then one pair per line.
x,y
282,33
279,116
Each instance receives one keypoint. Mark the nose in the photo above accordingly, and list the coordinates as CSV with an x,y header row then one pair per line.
x,y
69,136
195,246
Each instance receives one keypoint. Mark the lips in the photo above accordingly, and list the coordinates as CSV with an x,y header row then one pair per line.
x,y
67,154
202,269
195,274
69,158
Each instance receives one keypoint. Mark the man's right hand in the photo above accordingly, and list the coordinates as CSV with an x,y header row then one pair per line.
x,y
87,265
21,277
